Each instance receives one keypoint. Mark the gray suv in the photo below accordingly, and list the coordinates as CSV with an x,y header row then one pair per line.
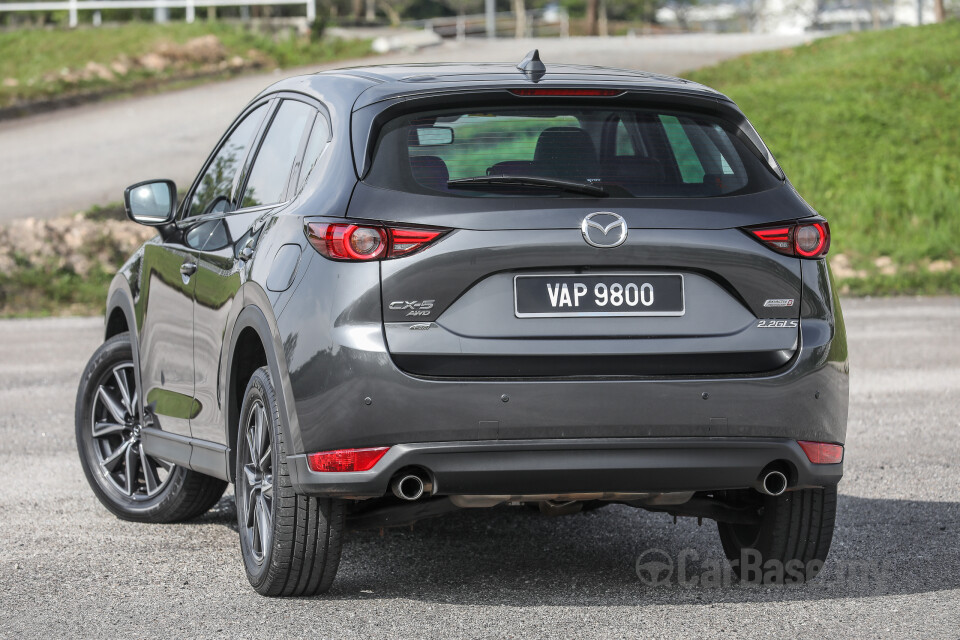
x,y
393,292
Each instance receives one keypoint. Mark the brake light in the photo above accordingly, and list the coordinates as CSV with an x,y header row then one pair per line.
x,y
578,93
358,242
804,240
810,240
822,452
346,459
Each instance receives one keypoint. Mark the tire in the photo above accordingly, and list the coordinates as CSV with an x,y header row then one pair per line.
x,y
791,542
290,543
108,424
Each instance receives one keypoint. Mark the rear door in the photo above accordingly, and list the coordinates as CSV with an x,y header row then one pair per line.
x,y
656,279
230,240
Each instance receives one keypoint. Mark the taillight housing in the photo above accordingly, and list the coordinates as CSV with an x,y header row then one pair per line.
x,y
355,241
800,239
822,452
346,460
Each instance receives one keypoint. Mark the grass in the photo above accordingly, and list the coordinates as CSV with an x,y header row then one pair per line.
x,y
43,290
865,125
75,279
112,211
40,64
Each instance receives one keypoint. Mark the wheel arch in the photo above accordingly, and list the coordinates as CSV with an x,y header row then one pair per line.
x,y
116,322
120,318
255,342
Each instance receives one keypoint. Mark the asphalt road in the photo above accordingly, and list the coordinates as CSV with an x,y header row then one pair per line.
x,y
68,568
68,160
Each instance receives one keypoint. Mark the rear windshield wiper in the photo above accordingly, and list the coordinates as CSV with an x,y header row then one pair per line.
x,y
572,186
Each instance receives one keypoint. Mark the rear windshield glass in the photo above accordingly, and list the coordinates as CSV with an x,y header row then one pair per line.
x,y
567,152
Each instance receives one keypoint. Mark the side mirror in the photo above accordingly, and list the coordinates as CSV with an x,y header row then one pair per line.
x,y
153,203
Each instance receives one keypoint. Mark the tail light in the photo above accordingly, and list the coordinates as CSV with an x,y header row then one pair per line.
x,y
822,452
350,241
803,240
346,459
574,93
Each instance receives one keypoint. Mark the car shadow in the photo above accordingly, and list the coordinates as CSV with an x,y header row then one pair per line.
x,y
518,557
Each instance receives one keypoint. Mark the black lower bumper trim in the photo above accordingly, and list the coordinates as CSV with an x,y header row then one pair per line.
x,y
523,467
679,364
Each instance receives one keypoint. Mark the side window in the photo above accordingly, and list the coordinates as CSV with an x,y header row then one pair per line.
x,y
691,170
274,162
318,141
624,145
213,192
210,235
726,151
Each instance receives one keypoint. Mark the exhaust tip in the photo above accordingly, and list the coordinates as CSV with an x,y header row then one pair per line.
x,y
408,487
774,483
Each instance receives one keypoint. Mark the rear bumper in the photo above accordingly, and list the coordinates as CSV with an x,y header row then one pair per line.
x,y
345,390
551,466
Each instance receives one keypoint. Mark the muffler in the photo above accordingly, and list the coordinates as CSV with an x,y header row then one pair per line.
x,y
411,486
772,483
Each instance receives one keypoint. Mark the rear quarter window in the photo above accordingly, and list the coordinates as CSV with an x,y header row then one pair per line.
x,y
688,163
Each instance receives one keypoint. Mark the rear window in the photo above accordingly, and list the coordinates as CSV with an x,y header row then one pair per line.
x,y
626,153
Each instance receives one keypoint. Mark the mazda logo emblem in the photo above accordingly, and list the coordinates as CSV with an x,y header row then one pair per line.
x,y
604,229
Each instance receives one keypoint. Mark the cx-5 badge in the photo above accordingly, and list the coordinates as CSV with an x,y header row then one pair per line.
x,y
413,307
604,229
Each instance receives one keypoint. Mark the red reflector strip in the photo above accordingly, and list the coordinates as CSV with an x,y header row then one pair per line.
x,y
346,459
822,452
567,92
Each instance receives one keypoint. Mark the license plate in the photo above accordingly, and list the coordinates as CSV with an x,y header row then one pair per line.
x,y
546,296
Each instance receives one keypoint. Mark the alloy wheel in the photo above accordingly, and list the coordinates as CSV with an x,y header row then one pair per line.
x,y
116,429
257,482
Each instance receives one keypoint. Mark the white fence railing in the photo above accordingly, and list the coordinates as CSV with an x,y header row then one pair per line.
x,y
73,7
536,22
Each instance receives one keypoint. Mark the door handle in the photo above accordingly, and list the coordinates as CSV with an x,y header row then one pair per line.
x,y
187,269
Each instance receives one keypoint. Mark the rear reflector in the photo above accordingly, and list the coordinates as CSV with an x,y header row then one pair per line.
x,y
346,459
822,452
359,242
578,93
810,240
